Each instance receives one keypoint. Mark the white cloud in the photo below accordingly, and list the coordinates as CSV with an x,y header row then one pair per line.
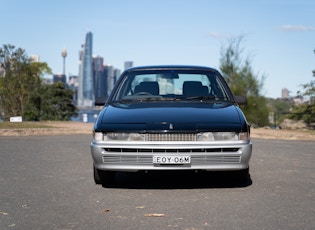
x,y
297,28
217,35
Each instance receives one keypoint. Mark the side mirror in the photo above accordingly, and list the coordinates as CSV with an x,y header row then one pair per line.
x,y
241,100
100,101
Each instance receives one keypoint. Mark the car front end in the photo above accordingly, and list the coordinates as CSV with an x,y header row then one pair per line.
x,y
169,127
171,146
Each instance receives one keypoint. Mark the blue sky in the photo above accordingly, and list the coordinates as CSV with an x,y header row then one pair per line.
x,y
279,35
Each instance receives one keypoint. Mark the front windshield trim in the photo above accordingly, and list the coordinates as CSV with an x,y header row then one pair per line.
x,y
125,89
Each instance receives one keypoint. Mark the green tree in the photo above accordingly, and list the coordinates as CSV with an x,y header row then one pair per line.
x,y
20,77
281,108
51,102
239,75
256,111
305,111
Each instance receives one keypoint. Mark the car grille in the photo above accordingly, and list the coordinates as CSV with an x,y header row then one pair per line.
x,y
142,150
198,156
170,137
147,160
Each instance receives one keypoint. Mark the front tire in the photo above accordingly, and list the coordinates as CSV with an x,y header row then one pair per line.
x,y
104,177
242,176
97,176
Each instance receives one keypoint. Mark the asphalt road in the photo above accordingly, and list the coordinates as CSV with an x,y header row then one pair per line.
x,y
47,183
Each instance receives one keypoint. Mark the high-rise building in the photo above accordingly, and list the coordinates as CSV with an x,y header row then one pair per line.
x,y
109,74
73,84
34,58
284,93
117,73
128,64
99,77
86,96
59,78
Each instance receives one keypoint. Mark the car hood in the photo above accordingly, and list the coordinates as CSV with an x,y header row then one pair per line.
x,y
187,117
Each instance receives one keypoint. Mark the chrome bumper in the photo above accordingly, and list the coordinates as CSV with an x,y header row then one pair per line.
x,y
221,156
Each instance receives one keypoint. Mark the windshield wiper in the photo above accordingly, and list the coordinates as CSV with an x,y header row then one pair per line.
x,y
207,98
138,99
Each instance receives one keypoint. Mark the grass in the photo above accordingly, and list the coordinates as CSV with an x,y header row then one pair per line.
x,y
44,128
311,132
23,125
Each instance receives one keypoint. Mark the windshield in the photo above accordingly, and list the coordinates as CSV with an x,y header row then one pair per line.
x,y
181,85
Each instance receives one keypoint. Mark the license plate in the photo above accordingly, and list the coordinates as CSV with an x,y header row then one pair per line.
x,y
171,160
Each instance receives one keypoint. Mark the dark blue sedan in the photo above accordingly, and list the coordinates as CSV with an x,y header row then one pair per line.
x,y
171,118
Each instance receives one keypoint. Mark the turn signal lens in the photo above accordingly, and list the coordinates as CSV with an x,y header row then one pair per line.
x,y
244,136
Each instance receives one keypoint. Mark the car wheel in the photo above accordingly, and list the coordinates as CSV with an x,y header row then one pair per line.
x,y
97,176
242,176
104,177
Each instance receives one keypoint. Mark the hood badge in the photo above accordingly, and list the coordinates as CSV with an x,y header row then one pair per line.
x,y
171,126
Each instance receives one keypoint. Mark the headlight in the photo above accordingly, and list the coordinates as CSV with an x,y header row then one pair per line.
x,y
123,137
222,136
208,136
98,136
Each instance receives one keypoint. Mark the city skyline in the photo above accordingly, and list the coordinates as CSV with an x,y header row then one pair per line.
x,y
94,80
278,35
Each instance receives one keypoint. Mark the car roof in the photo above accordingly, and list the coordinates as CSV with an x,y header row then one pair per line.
x,y
170,67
